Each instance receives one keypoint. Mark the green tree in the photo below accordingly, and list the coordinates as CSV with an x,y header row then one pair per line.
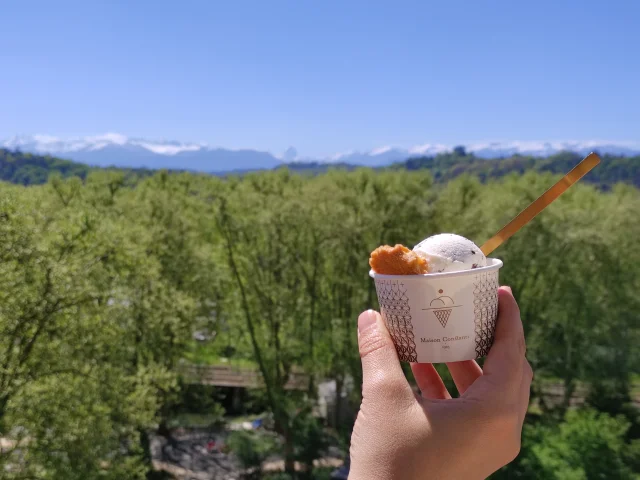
x,y
587,445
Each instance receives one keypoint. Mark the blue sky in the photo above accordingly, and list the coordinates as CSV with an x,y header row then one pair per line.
x,y
324,76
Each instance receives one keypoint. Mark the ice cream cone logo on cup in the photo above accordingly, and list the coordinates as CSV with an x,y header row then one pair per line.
x,y
442,307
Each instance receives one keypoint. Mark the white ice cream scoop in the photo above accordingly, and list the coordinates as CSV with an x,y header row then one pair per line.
x,y
447,252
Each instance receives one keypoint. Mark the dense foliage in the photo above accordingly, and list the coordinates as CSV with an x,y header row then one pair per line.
x,y
102,285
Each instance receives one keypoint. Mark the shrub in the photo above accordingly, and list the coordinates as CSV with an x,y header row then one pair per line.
x,y
252,448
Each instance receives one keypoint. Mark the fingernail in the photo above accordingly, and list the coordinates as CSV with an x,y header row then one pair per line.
x,y
506,287
366,319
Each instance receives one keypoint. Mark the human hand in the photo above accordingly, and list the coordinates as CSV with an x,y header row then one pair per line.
x,y
400,435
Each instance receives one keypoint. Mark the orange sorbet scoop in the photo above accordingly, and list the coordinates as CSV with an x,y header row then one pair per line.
x,y
398,260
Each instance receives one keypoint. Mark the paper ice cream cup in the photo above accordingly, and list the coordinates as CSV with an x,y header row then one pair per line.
x,y
441,317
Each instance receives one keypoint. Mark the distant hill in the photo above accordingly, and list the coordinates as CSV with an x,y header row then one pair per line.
x,y
317,167
444,167
30,169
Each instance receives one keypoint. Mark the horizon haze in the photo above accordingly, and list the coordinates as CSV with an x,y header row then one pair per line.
x,y
121,151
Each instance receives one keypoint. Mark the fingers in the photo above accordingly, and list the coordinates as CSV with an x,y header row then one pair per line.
x,y
429,382
464,374
381,371
525,389
504,361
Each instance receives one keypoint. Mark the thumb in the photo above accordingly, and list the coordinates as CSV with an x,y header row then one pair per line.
x,y
381,370
505,359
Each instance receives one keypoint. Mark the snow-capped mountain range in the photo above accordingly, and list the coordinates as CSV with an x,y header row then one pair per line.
x,y
118,150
